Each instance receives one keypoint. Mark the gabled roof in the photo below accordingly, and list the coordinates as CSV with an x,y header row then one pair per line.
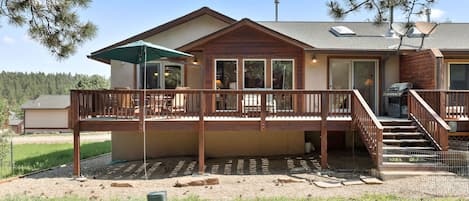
x,y
48,102
242,23
169,25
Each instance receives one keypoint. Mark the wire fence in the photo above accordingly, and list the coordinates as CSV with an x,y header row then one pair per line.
x,y
452,172
6,154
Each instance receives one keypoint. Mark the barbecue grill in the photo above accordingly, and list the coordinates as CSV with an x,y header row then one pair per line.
x,y
396,99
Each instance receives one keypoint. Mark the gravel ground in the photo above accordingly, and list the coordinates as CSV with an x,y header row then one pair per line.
x,y
60,138
230,187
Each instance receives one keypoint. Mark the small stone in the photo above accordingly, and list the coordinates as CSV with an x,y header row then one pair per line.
x,y
81,185
238,182
121,185
262,189
210,187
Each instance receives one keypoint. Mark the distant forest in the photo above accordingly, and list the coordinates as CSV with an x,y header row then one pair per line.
x,y
17,87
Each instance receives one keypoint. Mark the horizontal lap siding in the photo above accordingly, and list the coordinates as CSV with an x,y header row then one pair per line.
x,y
419,69
247,42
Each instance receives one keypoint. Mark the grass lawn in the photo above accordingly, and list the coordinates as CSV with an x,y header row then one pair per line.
x,y
33,157
195,198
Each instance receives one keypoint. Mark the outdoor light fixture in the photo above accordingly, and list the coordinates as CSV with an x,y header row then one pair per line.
x,y
314,59
155,74
195,61
166,74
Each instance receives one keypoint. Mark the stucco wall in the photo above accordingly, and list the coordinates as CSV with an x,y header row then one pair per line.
x,y
46,119
316,73
129,145
187,32
123,75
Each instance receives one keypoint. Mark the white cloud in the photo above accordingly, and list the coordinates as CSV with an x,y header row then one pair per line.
x,y
8,40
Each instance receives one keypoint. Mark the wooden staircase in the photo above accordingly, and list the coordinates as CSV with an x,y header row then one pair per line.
x,y
407,151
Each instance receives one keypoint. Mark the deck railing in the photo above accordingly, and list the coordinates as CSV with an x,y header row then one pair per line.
x,y
371,130
449,104
429,120
203,105
180,104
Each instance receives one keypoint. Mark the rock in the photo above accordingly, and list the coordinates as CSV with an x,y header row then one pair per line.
x,y
324,184
197,182
290,180
81,179
352,182
121,185
371,180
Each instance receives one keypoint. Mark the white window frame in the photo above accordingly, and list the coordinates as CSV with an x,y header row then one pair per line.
x,y
265,74
215,80
272,72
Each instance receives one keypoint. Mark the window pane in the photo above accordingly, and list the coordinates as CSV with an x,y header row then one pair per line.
x,y
254,74
282,77
172,74
226,78
153,76
459,74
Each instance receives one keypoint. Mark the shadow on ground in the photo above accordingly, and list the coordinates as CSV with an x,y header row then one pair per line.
x,y
341,165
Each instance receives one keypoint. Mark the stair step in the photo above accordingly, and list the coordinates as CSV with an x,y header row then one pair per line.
x,y
397,174
402,133
410,164
409,156
404,140
395,121
406,148
399,127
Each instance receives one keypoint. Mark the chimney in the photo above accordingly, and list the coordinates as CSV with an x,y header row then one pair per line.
x,y
428,13
276,9
390,32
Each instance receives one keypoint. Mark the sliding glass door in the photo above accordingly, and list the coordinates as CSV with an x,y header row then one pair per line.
x,y
282,79
355,74
161,75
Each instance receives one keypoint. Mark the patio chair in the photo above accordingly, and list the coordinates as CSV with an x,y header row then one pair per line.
x,y
179,101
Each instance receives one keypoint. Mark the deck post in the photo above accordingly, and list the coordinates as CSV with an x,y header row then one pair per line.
x,y
324,111
263,111
76,132
202,134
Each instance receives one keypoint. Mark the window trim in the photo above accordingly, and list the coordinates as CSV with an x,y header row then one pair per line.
x,y
162,69
448,70
265,74
272,73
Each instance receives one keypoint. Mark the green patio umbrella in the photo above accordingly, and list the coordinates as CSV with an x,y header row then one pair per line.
x,y
137,53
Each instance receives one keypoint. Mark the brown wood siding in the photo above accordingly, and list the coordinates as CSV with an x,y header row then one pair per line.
x,y
419,69
246,43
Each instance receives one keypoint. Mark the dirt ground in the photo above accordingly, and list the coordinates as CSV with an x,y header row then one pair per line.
x,y
239,177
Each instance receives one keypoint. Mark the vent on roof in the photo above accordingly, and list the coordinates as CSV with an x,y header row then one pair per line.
x,y
342,31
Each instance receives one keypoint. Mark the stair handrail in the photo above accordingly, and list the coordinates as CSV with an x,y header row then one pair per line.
x,y
371,130
434,126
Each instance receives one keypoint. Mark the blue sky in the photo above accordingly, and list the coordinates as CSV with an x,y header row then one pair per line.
x,y
121,19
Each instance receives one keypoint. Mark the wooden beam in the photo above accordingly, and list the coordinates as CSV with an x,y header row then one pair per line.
x,y
202,135
76,151
324,113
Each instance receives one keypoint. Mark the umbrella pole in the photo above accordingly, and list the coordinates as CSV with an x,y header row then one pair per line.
x,y
144,113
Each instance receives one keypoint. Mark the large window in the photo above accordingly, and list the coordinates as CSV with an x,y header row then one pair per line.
x,y
282,74
161,75
458,76
226,77
254,74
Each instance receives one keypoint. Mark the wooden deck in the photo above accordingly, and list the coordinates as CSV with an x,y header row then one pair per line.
x,y
221,110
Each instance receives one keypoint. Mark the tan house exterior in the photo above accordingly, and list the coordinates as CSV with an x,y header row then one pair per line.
x,y
47,113
320,72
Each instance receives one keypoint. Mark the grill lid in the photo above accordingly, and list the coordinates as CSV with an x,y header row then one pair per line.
x,y
397,89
